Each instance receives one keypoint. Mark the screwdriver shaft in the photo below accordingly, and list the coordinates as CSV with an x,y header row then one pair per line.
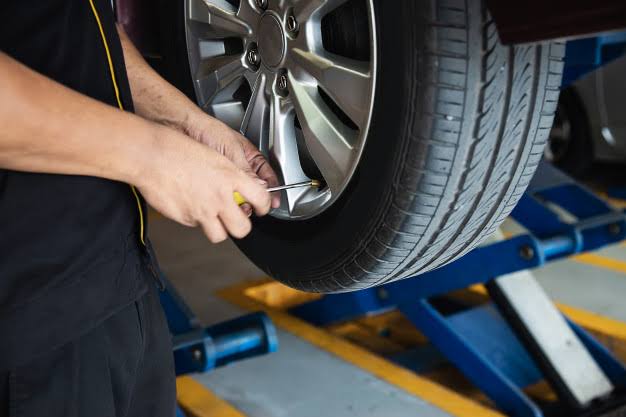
x,y
313,183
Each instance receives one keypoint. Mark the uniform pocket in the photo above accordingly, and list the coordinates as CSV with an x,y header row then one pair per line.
x,y
140,309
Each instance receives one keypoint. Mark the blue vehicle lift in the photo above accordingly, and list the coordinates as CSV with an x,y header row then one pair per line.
x,y
199,349
520,338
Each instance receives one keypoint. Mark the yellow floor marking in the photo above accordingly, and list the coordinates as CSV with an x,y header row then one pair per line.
x,y
274,294
197,401
421,387
611,333
601,262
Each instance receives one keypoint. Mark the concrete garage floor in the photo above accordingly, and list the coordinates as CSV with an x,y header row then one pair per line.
x,y
301,380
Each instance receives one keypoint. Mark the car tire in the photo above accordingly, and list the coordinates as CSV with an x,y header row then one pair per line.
x,y
459,126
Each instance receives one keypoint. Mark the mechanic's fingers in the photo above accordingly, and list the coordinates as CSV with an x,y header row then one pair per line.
x,y
275,200
255,194
239,159
247,209
264,170
235,221
214,230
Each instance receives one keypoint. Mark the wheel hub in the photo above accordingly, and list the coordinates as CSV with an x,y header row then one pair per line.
x,y
300,92
271,41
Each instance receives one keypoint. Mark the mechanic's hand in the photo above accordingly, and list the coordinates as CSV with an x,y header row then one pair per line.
x,y
194,185
215,134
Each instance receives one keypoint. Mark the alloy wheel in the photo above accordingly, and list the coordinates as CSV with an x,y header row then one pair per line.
x,y
269,69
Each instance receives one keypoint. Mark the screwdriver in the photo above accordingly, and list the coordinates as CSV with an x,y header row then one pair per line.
x,y
239,199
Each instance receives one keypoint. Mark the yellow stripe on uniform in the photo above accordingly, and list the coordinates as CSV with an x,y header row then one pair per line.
x,y
119,104
134,190
106,48
197,401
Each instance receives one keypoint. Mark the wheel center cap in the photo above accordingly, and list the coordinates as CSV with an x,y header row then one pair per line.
x,y
271,41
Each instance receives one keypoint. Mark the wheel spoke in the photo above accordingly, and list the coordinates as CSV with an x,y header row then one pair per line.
x,y
284,149
230,112
255,124
330,95
345,80
328,140
220,16
305,9
215,74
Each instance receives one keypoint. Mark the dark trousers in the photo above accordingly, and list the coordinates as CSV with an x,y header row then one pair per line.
x,y
122,368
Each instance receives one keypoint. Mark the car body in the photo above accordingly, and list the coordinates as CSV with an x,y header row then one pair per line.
x,y
602,93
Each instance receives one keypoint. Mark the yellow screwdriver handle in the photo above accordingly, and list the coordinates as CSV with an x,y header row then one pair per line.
x,y
239,198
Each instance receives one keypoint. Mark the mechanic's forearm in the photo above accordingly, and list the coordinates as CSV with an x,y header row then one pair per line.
x,y
49,128
155,98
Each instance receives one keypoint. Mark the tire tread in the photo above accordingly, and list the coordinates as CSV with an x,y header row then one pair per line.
x,y
450,193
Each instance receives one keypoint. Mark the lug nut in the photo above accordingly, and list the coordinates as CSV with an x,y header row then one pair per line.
x,y
282,83
292,24
252,56
261,4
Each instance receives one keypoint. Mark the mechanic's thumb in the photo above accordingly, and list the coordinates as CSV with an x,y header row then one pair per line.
x,y
254,191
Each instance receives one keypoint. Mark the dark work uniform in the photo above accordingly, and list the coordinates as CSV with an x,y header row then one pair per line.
x,y
81,329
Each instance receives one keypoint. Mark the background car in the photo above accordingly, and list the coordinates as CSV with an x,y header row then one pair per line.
x,y
590,122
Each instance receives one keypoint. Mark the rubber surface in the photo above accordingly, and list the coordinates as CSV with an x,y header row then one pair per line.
x,y
460,123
